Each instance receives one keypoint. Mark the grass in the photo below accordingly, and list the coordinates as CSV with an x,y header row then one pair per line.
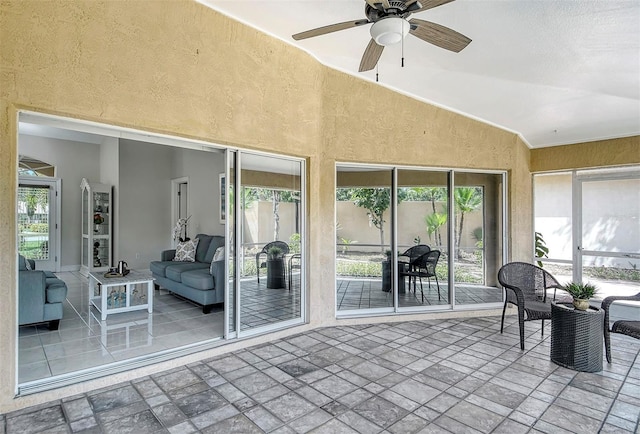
x,y
369,265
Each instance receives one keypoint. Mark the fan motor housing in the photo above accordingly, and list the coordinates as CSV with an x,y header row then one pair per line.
x,y
389,30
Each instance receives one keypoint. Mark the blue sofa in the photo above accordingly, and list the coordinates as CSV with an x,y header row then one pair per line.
x,y
40,295
193,280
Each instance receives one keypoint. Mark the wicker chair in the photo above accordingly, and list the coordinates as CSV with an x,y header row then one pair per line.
x,y
526,287
265,251
413,253
625,327
407,259
423,266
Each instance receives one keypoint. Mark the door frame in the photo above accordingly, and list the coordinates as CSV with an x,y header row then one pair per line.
x,y
175,205
55,216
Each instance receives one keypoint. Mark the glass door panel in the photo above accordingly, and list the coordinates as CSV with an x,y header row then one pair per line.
x,y
363,244
478,228
422,216
610,241
553,210
272,238
35,217
227,190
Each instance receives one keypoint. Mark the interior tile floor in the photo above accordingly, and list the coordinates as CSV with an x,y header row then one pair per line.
x,y
435,376
83,341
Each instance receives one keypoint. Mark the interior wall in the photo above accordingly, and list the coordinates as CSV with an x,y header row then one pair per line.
x,y
219,81
144,205
203,169
73,161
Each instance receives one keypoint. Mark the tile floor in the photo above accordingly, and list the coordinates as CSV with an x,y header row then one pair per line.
x,y
362,293
83,341
436,376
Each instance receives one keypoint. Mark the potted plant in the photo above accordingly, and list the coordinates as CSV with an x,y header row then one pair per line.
x,y
274,253
275,268
581,293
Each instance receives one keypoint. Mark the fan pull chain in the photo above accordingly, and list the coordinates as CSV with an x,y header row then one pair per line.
x,y
377,72
402,44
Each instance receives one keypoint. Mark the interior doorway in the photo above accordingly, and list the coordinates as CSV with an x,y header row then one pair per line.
x,y
38,221
180,202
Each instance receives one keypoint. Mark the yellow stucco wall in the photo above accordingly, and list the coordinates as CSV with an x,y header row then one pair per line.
x,y
178,68
601,153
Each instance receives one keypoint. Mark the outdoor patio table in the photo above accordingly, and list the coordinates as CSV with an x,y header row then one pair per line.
x,y
576,337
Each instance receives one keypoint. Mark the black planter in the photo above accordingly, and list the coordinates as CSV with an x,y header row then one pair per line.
x,y
386,276
275,273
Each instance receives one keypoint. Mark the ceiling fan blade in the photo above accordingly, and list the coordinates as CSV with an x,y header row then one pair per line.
x,y
371,56
329,29
439,35
430,4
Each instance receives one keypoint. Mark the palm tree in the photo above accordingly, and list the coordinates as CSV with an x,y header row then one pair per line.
x,y
467,199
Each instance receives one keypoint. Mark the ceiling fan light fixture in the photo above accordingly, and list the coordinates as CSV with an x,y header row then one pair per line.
x,y
389,30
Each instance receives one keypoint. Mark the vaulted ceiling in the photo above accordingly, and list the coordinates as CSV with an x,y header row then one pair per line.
x,y
554,71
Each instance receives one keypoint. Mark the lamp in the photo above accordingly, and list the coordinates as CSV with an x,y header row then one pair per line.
x,y
389,30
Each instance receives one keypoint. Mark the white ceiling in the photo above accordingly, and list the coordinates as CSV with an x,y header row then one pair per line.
x,y
554,71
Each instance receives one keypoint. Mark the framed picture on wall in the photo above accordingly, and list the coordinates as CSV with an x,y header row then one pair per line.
x,y
223,199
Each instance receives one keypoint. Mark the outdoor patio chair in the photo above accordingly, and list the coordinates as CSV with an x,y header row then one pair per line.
x,y
526,287
265,251
423,266
410,256
413,253
625,327
295,263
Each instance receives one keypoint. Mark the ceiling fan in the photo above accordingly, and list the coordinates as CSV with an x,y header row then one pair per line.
x,y
391,23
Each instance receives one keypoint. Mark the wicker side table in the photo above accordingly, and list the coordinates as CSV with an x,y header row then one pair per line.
x,y
576,337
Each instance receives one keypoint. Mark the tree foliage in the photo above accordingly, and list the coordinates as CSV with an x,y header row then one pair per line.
x,y
376,201
467,199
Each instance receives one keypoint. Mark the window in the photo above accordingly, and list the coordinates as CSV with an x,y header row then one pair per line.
x,y
416,239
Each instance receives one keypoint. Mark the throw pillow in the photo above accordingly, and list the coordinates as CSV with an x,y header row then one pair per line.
x,y
27,264
186,251
217,256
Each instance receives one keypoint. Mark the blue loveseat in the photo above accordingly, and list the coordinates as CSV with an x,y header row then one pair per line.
x,y
40,295
193,280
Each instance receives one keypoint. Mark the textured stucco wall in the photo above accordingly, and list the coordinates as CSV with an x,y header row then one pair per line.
x,y
181,69
602,153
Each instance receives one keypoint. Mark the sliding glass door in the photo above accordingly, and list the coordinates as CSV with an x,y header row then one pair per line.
x,y
588,222
271,245
363,238
423,241
478,202
608,250
410,239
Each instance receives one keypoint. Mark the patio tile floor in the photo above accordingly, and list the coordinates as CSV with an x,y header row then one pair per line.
x,y
435,376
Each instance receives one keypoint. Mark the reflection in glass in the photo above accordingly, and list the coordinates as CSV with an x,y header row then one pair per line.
x,y
478,212
422,238
271,240
363,244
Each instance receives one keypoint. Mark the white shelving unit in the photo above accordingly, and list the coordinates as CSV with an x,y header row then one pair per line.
x,y
97,227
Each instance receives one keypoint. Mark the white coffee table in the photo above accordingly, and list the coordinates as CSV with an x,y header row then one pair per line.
x,y
120,294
